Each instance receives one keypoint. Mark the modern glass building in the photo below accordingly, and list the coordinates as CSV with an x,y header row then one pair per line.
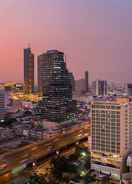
x,y
54,81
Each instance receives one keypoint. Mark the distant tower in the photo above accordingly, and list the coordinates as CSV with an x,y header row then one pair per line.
x,y
87,81
28,70
129,89
100,87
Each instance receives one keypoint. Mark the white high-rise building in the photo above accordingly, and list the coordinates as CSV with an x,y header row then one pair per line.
x,y
111,125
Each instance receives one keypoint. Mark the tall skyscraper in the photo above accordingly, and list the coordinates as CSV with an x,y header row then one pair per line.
x,y
54,81
86,81
100,87
28,70
112,125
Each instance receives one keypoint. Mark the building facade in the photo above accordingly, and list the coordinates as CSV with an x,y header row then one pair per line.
x,y
129,89
111,126
28,70
72,79
100,87
2,103
54,80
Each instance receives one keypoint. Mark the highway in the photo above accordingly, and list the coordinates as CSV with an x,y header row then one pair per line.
x,y
40,149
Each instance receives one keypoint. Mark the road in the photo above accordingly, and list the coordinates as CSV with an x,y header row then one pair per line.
x,y
46,167
39,149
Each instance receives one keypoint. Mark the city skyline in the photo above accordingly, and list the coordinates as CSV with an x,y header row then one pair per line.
x,y
65,91
98,40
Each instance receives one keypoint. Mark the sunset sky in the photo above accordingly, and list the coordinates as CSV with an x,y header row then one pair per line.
x,y
96,35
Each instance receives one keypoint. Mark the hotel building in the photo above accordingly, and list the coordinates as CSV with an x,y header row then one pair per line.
x,y
111,125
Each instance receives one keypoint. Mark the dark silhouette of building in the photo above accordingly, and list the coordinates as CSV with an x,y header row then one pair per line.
x,y
28,70
86,81
129,89
80,87
54,80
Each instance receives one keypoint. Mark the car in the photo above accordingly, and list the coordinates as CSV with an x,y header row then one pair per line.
x,y
74,182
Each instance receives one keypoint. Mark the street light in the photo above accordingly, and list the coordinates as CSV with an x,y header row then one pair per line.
x,y
83,154
34,164
2,120
83,173
57,152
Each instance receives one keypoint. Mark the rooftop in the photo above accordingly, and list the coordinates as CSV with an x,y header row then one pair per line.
x,y
113,99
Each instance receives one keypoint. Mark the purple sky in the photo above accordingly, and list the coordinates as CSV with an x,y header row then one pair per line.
x,y
96,35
